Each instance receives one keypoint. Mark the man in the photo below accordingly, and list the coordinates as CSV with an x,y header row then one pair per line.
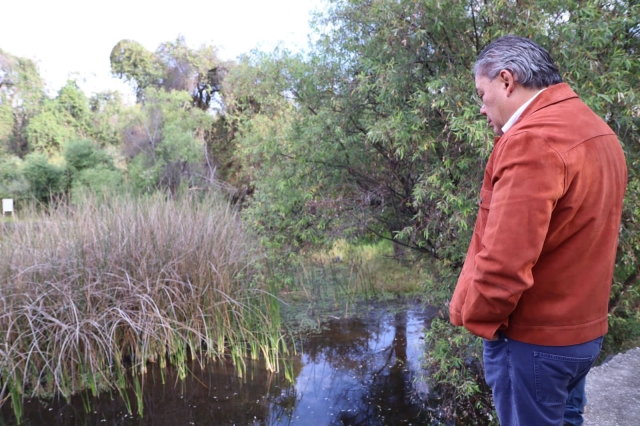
x,y
536,280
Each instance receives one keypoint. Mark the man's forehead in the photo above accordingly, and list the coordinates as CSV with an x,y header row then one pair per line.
x,y
480,81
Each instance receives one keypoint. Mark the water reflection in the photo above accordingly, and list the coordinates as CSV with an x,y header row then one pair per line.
x,y
356,372
361,373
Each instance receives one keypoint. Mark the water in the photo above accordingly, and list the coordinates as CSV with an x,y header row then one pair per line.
x,y
358,371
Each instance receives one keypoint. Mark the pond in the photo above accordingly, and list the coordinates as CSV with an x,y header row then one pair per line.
x,y
357,371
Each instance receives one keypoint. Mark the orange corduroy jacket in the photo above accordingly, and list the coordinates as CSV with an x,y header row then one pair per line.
x,y
540,262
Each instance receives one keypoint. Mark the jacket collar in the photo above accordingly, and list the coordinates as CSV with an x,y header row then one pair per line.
x,y
552,95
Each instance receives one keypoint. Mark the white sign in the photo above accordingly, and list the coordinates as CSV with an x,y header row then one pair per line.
x,y
7,206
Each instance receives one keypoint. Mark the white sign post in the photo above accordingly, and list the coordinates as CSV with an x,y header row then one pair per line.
x,y
7,206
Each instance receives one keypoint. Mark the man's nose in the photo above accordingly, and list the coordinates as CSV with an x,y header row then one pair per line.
x,y
483,110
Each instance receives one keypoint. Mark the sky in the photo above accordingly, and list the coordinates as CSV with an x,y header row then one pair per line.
x,y
74,38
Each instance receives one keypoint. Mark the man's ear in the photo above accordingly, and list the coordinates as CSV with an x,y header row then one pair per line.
x,y
508,81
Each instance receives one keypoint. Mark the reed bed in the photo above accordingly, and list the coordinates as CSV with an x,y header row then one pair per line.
x,y
91,293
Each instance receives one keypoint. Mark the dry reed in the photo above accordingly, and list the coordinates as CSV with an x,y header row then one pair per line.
x,y
94,291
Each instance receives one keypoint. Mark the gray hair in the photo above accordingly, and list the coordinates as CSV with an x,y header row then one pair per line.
x,y
530,64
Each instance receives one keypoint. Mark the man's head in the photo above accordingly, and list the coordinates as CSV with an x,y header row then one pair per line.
x,y
508,72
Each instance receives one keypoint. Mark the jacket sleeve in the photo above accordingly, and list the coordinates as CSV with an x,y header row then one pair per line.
x,y
528,179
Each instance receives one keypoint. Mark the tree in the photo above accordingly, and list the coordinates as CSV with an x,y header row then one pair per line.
x,y
172,148
174,66
50,129
6,123
21,91
372,149
107,117
263,120
133,63
165,142
377,122
60,120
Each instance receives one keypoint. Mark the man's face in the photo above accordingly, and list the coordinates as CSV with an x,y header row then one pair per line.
x,y
493,95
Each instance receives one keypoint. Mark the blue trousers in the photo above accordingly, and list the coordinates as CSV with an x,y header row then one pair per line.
x,y
576,402
537,385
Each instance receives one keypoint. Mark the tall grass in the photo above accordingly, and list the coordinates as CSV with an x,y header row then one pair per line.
x,y
92,292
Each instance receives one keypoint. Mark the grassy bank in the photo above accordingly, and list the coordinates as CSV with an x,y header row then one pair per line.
x,y
93,291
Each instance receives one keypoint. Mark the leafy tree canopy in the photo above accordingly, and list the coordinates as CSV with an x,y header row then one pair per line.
x,y
173,66
21,90
60,120
375,131
165,140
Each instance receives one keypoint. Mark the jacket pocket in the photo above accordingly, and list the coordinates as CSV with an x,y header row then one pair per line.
x,y
483,211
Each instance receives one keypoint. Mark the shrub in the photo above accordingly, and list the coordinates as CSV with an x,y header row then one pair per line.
x,y
46,180
453,362
12,181
84,154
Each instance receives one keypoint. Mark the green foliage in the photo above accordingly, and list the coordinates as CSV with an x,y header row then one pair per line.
x,y
453,361
60,120
624,328
144,176
21,91
269,138
107,116
90,168
100,180
363,144
178,144
6,123
54,131
46,180
174,66
12,181
50,130
84,154
177,153
74,102
375,130
222,153
165,142
131,61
